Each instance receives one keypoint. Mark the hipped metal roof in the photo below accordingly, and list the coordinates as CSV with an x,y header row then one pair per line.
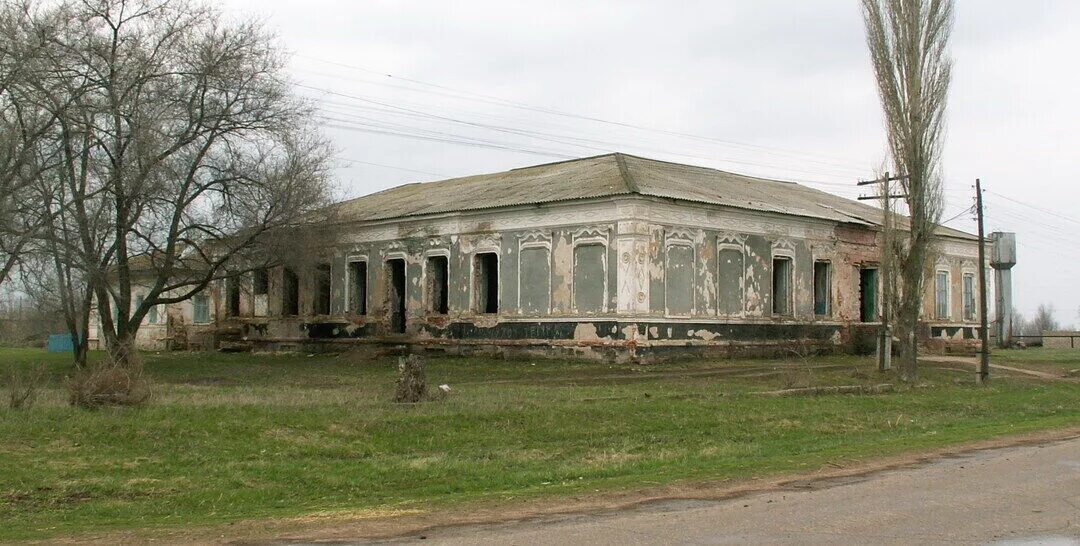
x,y
605,176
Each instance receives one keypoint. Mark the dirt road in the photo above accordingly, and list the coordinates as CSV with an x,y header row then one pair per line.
x,y
1018,495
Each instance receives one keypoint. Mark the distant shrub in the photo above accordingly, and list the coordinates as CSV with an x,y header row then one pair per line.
x,y
23,385
110,382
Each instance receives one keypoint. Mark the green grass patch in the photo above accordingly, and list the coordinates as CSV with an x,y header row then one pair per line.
x,y
229,437
1039,358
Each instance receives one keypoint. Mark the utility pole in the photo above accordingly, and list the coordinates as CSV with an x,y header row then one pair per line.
x,y
984,331
884,344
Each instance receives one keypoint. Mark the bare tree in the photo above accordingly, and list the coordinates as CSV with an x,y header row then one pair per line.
x,y
179,145
25,35
1043,321
907,41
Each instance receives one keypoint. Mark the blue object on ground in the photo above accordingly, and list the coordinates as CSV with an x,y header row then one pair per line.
x,y
61,343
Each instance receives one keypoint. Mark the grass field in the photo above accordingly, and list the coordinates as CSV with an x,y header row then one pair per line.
x,y
231,437
1042,359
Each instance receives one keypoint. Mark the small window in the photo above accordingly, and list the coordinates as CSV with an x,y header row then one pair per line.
x,y
941,294
200,313
486,282
321,303
260,282
969,297
358,287
438,285
821,289
152,315
290,293
781,284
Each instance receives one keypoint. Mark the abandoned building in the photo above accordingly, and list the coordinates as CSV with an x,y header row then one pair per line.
x,y
613,257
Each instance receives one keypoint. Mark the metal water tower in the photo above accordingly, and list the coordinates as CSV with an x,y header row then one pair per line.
x,y
1002,259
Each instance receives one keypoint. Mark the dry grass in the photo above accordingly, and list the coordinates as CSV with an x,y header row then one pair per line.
x,y
110,382
239,437
23,385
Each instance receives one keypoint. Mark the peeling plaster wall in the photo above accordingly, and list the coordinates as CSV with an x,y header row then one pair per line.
x,y
647,244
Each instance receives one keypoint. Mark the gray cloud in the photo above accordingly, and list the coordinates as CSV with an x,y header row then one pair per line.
x,y
774,73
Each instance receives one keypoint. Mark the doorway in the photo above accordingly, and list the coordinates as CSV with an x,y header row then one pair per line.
x,y
395,273
868,294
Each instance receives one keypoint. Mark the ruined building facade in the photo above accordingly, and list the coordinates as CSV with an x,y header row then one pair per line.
x,y
613,257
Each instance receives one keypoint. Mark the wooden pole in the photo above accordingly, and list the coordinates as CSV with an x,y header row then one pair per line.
x,y
885,337
984,331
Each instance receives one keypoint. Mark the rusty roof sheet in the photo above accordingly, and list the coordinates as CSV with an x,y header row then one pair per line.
x,y
610,175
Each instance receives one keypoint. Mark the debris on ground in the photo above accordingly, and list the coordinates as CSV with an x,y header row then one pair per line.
x,y
412,380
839,389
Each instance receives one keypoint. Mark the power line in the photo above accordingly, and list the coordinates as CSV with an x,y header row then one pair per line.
x,y
491,99
350,160
1040,209
601,146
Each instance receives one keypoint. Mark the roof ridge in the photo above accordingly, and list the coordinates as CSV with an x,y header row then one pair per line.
x,y
571,160
631,183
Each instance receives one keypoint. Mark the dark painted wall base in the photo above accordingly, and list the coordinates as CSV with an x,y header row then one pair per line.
x,y
602,340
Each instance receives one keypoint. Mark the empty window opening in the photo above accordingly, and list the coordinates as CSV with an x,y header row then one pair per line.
x,y
868,290
821,288
260,282
232,295
152,316
395,273
941,294
590,278
781,284
321,303
358,287
290,293
486,282
969,297
438,285
731,271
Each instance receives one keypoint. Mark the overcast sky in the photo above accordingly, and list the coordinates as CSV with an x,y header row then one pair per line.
x,y
418,91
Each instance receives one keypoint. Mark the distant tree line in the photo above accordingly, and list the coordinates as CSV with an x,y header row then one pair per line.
x,y
1044,320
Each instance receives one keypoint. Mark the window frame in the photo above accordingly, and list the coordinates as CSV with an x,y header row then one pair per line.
x,y
534,241
350,285
727,243
195,305
317,294
389,303
673,242
260,282
828,287
782,254
428,294
974,309
947,315
285,273
474,282
590,241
